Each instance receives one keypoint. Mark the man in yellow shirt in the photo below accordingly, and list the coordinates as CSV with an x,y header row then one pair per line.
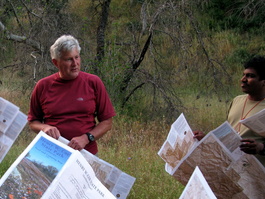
x,y
244,106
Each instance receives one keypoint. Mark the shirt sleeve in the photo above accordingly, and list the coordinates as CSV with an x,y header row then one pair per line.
x,y
104,107
35,110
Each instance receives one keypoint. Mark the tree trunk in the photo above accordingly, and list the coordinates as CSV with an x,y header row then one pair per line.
x,y
101,33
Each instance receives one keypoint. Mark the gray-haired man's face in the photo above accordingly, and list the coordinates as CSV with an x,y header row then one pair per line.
x,y
69,64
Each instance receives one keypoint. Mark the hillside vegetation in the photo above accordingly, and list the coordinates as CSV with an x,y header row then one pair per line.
x,y
157,58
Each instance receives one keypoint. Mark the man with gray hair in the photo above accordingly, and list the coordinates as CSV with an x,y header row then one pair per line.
x,y
69,103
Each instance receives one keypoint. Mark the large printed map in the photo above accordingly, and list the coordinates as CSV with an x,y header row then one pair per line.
x,y
229,172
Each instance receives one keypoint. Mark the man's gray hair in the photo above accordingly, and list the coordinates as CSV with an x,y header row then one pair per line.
x,y
65,43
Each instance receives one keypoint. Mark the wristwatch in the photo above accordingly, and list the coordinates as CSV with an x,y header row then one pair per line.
x,y
90,137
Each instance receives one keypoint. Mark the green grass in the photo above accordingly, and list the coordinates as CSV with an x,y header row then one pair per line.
x,y
17,148
146,166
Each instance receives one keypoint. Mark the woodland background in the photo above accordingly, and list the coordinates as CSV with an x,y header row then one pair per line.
x,y
157,59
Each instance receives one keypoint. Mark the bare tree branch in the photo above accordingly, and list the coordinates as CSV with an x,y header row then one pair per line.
x,y
10,65
30,11
22,39
136,64
16,16
131,93
143,17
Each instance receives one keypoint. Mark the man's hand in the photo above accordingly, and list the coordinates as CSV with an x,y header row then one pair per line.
x,y
52,131
79,143
198,135
250,146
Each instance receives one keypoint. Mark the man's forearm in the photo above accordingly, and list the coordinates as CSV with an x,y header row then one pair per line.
x,y
102,128
36,126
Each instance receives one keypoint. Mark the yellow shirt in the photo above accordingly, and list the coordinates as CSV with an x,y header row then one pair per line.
x,y
237,110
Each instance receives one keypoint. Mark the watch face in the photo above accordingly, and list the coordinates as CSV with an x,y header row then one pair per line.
x,y
91,138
